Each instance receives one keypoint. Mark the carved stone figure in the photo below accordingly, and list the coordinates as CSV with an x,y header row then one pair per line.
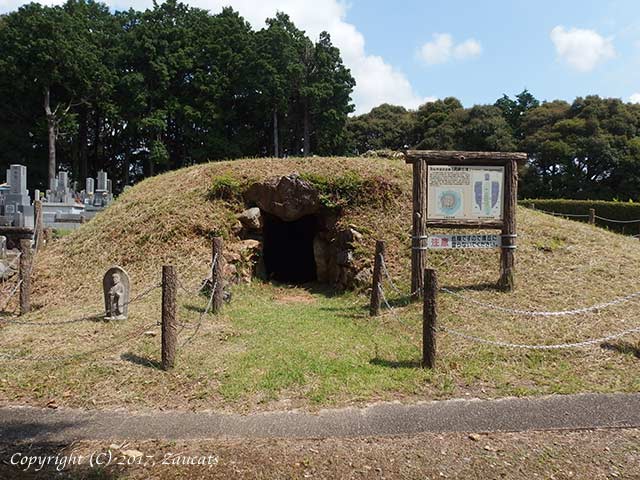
x,y
116,294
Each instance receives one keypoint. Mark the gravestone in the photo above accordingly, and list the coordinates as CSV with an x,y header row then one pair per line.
x,y
17,180
90,186
115,286
102,180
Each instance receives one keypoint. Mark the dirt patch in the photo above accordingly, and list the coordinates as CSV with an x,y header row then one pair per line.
x,y
286,299
599,454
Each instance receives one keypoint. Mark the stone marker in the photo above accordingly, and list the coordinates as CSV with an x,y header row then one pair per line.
x,y
116,294
102,180
89,186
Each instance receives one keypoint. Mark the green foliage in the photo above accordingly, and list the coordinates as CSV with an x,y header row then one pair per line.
x,y
589,149
351,189
227,187
140,92
584,150
385,127
615,210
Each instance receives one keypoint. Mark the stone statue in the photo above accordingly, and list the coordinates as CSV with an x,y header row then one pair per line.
x,y
116,294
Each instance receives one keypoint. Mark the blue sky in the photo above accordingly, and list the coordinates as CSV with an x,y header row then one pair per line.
x,y
517,50
407,52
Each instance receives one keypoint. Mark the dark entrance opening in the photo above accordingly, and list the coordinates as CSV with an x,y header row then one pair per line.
x,y
288,248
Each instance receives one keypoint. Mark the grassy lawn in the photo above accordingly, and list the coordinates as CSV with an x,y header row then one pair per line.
x,y
285,347
276,346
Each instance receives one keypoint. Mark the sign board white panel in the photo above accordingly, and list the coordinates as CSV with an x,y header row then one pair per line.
x,y
465,192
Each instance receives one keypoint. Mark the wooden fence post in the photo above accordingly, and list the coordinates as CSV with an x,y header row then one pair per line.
x,y
507,252
419,231
429,318
592,216
217,274
374,308
39,227
169,326
24,276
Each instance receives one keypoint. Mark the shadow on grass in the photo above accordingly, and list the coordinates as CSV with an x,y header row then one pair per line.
x,y
138,360
194,308
324,289
625,348
478,287
395,363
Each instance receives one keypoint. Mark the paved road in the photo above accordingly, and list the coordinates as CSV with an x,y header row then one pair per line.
x,y
585,411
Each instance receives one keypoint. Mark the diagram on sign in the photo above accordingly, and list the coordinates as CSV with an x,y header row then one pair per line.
x,y
486,189
449,201
465,192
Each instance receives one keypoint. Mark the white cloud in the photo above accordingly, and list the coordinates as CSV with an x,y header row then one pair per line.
x,y
635,98
442,49
467,49
377,81
581,49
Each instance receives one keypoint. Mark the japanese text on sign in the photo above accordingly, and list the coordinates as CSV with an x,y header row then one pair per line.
x,y
464,241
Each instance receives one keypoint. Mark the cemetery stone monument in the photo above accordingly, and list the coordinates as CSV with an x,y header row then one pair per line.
x,y
15,205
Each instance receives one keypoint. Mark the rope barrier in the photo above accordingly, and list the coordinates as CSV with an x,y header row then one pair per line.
x,y
84,318
572,215
385,271
203,284
582,215
611,220
13,292
384,298
73,356
206,310
537,313
499,343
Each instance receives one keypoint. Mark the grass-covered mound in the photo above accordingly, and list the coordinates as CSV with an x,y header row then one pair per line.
x,y
280,346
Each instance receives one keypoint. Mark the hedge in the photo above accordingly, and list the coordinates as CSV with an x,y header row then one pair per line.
x,y
612,210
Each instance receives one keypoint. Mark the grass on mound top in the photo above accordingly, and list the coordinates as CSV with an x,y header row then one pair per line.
x,y
277,346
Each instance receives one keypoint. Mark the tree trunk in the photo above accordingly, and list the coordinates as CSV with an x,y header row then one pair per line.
x,y
127,166
276,146
83,133
98,161
51,133
306,149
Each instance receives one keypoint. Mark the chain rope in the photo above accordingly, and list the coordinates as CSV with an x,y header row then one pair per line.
x,y
538,313
500,343
394,287
84,318
201,317
611,220
73,356
13,292
575,215
203,284
206,310
555,214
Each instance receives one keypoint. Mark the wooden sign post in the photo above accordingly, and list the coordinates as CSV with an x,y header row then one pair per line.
x,y
463,190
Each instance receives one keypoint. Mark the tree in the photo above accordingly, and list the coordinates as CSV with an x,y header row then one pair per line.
x,y
384,127
327,99
585,150
44,47
434,130
513,111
